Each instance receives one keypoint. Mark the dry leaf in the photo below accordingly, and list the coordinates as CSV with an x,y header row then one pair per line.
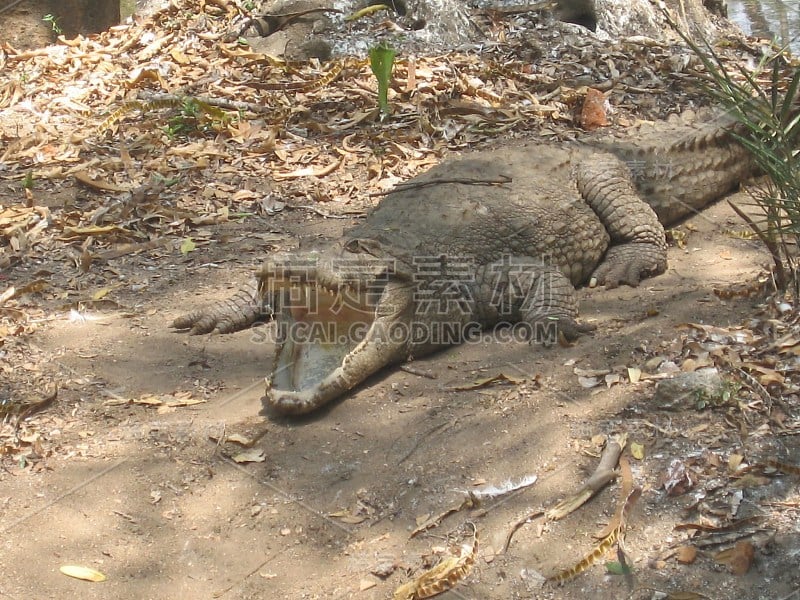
x,y
250,455
178,402
734,461
84,573
593,113
686,554
637,450
239,439
739,558
486,382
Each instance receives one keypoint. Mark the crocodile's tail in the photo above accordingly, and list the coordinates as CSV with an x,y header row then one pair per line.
x,y
231,314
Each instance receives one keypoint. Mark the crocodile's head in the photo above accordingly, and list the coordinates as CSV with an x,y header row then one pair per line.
x,y
338,322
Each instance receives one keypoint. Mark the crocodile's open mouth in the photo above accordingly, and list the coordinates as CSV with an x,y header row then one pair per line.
x,y
336,327
318,328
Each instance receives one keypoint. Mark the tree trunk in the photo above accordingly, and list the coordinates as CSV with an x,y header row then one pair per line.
x,y
86,16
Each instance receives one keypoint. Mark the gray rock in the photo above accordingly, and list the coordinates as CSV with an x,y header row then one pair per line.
x,y
690,390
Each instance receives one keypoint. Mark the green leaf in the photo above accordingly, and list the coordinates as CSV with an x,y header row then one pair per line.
x,y
381,61
617,568
187,246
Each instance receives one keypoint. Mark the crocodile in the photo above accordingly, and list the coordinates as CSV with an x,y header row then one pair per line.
x,y
491,239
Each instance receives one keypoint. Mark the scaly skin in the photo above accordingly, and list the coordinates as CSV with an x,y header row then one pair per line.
x,y
455,250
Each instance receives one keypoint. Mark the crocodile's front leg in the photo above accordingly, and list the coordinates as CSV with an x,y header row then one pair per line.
x,y
231,314
527,291
638,246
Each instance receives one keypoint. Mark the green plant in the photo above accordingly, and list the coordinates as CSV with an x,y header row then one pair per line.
x,y
726,393
53,20
381,61
768,119
192,117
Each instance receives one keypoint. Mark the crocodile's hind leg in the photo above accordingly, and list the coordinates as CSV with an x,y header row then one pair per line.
x,y
237,312
638,246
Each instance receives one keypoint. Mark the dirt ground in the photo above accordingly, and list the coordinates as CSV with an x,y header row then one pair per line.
x,y
149,496
24,25
153,464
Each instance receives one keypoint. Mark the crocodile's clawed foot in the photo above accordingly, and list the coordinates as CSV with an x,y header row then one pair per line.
x,y
572,329
226,316
628,265
204,321
551,330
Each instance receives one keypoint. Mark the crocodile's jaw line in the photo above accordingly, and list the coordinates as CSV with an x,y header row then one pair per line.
x,y
308,374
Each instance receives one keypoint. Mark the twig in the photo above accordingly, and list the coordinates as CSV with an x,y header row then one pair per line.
x,y
10,5
602,475
780,275
327,215
418,372
423,436
252,572
412,185
218,102
530,517
220,440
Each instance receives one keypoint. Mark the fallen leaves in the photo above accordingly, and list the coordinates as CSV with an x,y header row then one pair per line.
x,y
483,382
686,555
164,403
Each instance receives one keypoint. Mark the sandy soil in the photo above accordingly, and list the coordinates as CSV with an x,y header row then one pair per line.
x,y
154,465
24,26
149,495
